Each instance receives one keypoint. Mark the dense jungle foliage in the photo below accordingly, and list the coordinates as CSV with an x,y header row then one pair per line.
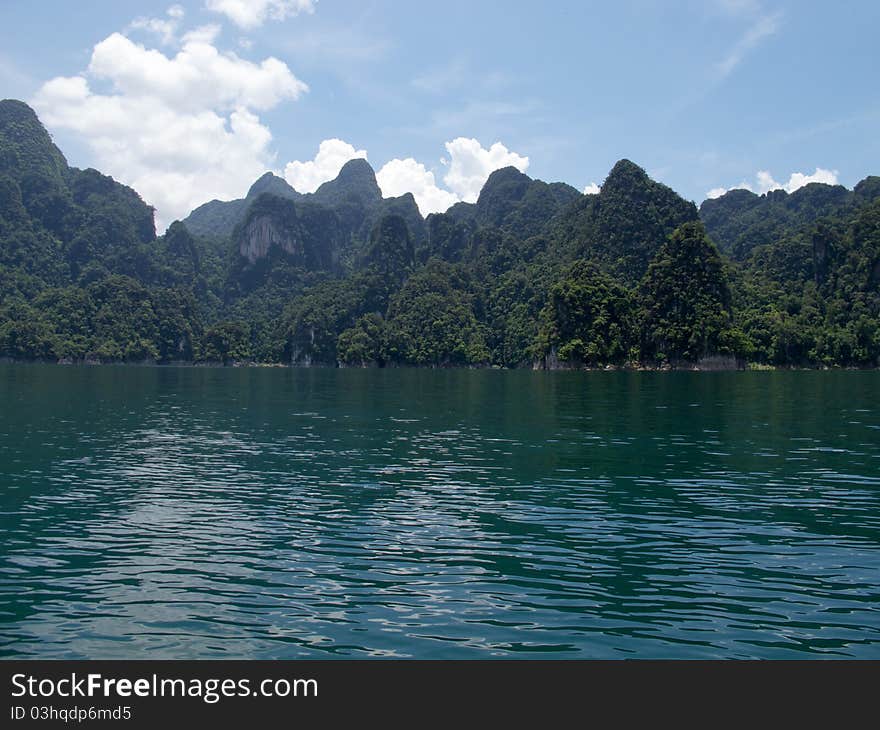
x,y
532,274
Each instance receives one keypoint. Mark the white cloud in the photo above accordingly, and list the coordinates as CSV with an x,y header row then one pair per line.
x,y
798,179
763,27
469,167
398,177
592,189
716,193
249,14
203,34
181,130
306,177
471,164
198,77
164,28
764,182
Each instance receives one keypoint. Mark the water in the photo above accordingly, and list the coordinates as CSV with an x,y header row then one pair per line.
x,y
214,513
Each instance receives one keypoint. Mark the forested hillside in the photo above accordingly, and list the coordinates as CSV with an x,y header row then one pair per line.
x,y
531,275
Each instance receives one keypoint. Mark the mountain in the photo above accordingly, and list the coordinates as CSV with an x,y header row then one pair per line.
x,y
741,220
274,185
623,227
353,197
82,275
406,207
308,235
27,152
532,274
217,219
511,200
356,182
57,220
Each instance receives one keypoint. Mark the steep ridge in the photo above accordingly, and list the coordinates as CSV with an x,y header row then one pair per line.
x,y
531,274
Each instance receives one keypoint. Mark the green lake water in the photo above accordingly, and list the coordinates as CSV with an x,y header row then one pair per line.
x,y
276,513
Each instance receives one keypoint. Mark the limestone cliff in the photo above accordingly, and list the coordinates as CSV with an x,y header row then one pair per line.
x,y
306,235
262,232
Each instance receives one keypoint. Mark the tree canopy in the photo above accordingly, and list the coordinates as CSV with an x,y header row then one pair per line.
x,y
530,275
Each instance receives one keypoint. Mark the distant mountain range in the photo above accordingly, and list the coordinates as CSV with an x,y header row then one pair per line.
x,y
532,274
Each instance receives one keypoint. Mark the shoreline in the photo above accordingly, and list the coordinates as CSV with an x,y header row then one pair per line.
x,y
629,368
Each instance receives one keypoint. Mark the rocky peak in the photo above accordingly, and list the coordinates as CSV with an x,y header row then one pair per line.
x,y
356,180
271,183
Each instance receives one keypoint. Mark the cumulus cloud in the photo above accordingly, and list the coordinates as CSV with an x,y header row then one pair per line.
x,y
180,129
764,182
249,14
306,177
198,77
798,179
398,177
470,165
592,189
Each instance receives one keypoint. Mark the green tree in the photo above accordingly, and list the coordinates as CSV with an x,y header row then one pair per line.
x,y
227,342
685,299
362,344
431,320
588,319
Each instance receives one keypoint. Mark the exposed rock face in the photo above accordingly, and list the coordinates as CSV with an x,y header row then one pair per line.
x,y
219,218
354,196
306,235
302,356
261,233
719,362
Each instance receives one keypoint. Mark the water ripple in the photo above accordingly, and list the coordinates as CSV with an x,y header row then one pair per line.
x,y
222,513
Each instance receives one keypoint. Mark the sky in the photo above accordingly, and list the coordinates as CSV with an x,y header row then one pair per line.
x,y
192,101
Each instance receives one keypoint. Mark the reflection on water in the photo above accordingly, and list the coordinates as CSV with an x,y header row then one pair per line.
x,y
317,513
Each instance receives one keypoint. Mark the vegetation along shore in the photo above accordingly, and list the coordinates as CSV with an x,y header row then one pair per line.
x,y
532,275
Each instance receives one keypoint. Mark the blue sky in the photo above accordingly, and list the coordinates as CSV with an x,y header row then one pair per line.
x,y
180,99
